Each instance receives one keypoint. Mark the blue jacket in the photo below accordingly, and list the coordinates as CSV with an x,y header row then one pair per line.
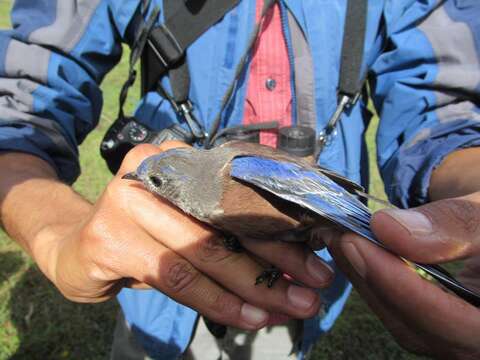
x,y
423,58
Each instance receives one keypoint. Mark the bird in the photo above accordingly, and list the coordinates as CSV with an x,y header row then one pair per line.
x,y
248,190
232,185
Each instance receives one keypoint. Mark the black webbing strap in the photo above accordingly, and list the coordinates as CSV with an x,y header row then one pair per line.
x,y
179,74
351,77
140,40
167,43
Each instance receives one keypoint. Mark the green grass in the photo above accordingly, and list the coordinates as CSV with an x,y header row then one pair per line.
x,y
37,323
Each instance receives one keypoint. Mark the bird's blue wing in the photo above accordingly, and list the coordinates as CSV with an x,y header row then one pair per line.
x,y
307,188
316,192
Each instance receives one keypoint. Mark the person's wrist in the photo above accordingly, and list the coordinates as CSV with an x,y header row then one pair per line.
x,y
445,181
46,246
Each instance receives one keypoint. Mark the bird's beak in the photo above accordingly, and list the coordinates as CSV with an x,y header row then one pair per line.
x,y
131,176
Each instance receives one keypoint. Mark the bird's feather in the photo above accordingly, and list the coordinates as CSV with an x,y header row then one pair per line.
x,y
323,196
304,187
239,148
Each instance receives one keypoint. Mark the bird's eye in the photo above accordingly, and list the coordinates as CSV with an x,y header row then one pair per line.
x,y
156,181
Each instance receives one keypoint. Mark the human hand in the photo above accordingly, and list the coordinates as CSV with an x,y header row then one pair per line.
x,y
133,238
421,316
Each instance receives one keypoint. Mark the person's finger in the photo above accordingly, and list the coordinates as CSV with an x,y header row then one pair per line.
x,y
438,232
129,252
205,249
433,313
295,259
177,278
404,333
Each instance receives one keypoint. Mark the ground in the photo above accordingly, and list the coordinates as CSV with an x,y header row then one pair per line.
x,y
37,323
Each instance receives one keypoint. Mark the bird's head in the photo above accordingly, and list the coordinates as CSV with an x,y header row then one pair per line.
x,y
179,175
165,174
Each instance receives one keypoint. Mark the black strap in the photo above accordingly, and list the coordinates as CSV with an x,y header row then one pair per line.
x,y
167,43
179,74
351,77
140,40
271,125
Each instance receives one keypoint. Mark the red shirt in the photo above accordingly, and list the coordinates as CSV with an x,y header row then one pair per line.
x,y
269,95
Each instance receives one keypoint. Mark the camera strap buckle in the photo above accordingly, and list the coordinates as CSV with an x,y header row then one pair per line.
x,y
345,102
185,109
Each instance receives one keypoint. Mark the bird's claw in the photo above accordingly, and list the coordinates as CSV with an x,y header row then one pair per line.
x,y
270,276
231,243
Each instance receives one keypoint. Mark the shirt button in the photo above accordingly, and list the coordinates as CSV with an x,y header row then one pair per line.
x,y
270,84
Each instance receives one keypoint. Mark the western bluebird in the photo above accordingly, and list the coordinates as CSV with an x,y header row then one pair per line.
x,y
253,191
245,190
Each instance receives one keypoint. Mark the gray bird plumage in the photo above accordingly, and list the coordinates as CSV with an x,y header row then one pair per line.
x,y
183,177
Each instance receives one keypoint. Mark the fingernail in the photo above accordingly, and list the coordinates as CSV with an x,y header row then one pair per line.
x,y
413,221
253,315
355,259
301,298
318,269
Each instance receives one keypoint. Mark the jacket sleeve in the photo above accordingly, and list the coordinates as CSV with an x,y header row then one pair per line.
x,y
51,65
426,90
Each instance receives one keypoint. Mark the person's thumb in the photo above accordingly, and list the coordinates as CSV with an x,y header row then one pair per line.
x,y
438,232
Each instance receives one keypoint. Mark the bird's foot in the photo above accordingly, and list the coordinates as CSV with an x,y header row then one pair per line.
x,y
217,330
270,276
231,243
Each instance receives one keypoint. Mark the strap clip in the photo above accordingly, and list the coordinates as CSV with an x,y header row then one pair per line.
x,y
345,102
185,109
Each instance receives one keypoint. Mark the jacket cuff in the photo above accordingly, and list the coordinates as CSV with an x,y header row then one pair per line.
x,y
407,175
27,139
